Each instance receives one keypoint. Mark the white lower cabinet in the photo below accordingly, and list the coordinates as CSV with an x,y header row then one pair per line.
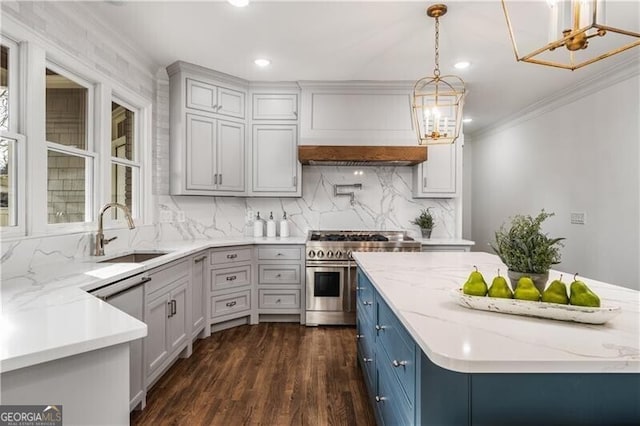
x,y
230,286
280,273
167,317
199,269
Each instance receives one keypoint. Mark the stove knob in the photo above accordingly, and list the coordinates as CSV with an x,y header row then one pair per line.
x,y
329,254
320,254
339,254
349,254
311,253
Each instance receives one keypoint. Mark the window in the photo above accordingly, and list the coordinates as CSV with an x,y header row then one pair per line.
x,y
70,155
11,143
125,163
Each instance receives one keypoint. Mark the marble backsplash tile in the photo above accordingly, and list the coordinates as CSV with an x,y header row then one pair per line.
x,y
383,203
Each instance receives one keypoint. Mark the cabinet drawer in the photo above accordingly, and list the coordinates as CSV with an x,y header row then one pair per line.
x,y
279,299
279,274
277,253
166,275
399,350
222,257
230,303
275,106
236,276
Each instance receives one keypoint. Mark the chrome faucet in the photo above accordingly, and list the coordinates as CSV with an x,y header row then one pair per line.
x,y
100,240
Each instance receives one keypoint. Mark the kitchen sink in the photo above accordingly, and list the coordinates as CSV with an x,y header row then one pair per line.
x,y
135,257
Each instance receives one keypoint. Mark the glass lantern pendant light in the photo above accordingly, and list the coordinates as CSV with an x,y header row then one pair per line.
x,y
438,99
576,35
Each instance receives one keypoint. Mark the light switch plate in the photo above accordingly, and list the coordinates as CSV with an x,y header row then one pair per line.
x,y
578,218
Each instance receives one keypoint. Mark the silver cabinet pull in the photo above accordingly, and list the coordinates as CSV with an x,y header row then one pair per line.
x,y
295,114
424,182
232,256
231,278
278,301
174,307
230,304
199,259
365,359
278,275
365,303
380,327
218,107
220,179
399,363
215,179
380,398
279,254
215,107
359,336
170,309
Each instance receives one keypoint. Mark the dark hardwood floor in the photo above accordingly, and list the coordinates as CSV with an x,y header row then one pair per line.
x,y
266,374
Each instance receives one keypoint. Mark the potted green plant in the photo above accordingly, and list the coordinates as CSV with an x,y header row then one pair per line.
x,y
425,222
526,250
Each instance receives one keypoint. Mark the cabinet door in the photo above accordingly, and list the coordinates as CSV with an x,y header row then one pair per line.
x,y
231,102
156,313
275,106
201,96
177,324
436,177
275,158
198,298
200,152
230,163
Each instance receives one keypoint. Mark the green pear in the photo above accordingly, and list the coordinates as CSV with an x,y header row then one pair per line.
x,y
556,293
500,288
526,290
475,285
581,295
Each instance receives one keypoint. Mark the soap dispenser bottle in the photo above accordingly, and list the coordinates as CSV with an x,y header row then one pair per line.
x,y
284,226
271,226
258,227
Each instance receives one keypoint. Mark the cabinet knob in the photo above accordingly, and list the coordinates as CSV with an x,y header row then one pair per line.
x,y
232,278
359,336
278,275
380,398
380,327
399,363
365,359
232,256
367,303
230,304
278,301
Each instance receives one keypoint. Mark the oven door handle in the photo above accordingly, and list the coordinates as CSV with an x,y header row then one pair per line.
x,y
316,264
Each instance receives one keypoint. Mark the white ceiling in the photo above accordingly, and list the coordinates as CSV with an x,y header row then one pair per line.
x,y
357,40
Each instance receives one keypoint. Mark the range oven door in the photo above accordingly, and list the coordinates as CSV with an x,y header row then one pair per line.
x,y
325,287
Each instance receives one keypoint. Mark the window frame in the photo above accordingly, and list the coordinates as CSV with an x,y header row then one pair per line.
x,y
19,176
90,154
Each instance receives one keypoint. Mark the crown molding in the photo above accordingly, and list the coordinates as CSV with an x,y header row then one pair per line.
x,y
357,84
608,77
181,66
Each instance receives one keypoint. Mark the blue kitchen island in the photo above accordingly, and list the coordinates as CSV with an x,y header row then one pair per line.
x,y
427,360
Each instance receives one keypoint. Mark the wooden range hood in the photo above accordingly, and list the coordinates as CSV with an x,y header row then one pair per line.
x,y
340,155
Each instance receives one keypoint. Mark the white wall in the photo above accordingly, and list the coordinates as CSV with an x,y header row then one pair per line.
x,y
580,157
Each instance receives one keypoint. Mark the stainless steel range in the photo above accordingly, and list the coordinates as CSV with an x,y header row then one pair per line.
x,y
331,271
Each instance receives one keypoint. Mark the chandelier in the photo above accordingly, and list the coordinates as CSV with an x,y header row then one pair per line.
x,y
577,34
437,99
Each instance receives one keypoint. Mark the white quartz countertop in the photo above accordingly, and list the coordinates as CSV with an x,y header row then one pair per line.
x,y
418,287
47,313
445,242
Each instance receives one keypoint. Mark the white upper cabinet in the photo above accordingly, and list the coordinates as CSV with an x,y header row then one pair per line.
x,y
207,129
352,113
267,106
438,177
275,160
214,99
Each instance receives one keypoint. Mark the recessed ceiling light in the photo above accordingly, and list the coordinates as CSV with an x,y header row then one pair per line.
x,y
238,3
462,65
467,120
262,62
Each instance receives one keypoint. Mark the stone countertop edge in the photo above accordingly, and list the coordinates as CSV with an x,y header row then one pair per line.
x,y
471,341
75,321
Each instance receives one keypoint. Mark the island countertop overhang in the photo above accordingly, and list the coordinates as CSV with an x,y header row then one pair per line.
x,y
418,286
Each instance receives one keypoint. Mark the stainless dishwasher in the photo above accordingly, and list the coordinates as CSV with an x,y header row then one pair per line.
x,y
127,295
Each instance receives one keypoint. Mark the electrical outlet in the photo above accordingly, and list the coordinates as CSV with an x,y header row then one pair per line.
x,y
578,218
166,216
180,216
